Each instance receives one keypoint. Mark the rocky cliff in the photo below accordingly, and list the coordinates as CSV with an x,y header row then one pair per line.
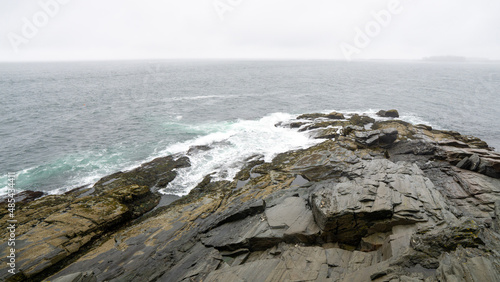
x,y
377,200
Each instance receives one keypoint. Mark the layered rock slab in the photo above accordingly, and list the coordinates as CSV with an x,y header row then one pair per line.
x,y
383,195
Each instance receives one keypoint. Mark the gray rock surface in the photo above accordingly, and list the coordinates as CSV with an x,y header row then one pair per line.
x,y
77,277
384,137
403,206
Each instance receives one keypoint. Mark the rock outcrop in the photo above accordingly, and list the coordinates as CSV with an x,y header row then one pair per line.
x,y
389,113
55,228
386,202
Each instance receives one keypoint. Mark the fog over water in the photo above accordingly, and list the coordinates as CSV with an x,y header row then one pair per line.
x,y
291,29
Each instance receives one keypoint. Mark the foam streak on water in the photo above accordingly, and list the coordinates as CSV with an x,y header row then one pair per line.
x,y
231,146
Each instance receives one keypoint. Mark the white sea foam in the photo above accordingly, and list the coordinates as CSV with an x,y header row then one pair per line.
x,y
196,97
231,146
230,142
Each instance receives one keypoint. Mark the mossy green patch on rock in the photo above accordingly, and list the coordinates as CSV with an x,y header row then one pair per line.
x,y
467,234
361,120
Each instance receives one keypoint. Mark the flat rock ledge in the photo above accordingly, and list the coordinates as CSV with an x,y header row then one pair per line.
x,y
375,201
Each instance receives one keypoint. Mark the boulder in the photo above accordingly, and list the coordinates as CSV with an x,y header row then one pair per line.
x,y
335,115
297,124
363,120
197,149
389,113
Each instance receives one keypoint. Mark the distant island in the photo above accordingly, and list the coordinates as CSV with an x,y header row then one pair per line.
x,y
457,59
445,59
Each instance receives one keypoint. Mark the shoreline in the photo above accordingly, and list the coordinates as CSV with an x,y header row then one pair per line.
x,y
348,113
395,178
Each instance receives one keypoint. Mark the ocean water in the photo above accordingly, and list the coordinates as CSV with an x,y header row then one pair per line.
x,y
64,125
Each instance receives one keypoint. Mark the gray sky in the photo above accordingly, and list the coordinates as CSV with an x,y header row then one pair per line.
x,y
281,29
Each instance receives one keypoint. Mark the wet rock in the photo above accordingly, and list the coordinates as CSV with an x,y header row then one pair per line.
x,y
297,124
25,197
389,113
332,115
245,172
196,149
323,124
159,172
312,116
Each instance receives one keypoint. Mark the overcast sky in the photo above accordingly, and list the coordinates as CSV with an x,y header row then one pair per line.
x,y
280,29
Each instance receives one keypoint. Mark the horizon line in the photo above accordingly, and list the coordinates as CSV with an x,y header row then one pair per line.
x,y
238,59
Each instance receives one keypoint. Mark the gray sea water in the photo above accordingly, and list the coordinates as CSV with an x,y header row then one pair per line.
x,y
63,125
